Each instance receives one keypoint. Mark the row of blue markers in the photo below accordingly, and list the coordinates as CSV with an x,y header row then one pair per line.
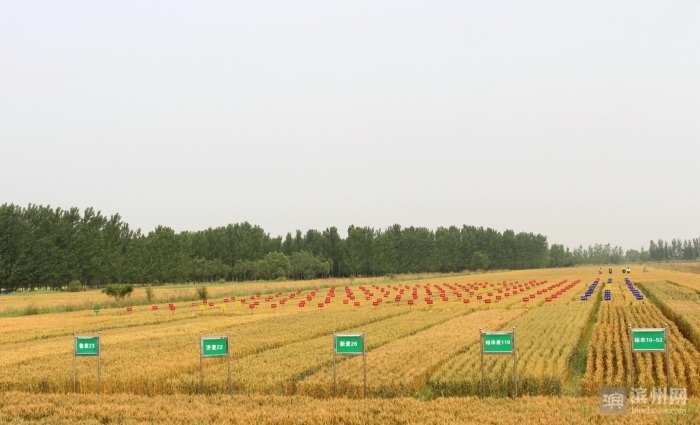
x,y
607,295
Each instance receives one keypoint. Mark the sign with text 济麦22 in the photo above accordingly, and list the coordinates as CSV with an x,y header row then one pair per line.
x,y
349,344
214,346
648,340
498,342
87,345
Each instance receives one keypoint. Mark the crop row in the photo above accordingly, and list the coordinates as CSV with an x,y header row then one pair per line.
x,y
679,303
546,338
154,350
128,409
402,367
268,354
608,357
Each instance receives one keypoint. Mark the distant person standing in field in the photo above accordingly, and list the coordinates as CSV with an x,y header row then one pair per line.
x,y
600,270
628,269
645,269
610,270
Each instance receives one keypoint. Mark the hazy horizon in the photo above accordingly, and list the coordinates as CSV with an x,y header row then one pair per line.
x,y
576,121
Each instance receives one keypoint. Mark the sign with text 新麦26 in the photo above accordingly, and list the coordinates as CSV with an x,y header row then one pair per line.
x,y
87,345
349,344
214,346
498,342
648,339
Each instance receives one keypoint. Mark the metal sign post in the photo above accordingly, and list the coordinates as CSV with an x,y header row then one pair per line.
x,y
364,365
650,340
499,343
214,346
86,346
350,345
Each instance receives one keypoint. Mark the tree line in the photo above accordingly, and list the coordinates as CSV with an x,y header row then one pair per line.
x,y
676,250
45,247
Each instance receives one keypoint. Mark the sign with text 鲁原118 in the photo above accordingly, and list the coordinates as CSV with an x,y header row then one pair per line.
x,y
87,345
498,342
214,346
349,344
648,340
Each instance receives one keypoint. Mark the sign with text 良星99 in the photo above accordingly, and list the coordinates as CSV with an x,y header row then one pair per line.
x,y
349,344
87,345
214,346
648,340
498,342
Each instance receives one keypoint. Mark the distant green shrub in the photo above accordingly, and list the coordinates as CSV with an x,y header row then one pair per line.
x,y
118,291
202,292
150,296
75,286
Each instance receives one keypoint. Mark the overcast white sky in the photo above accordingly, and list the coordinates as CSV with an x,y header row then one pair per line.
x,y
577,120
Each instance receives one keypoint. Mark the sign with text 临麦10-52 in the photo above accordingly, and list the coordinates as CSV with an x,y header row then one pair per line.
x,y
498,342
214,346
87,345
349,344
648,339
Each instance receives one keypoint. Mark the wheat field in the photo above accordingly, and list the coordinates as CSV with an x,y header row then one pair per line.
x,y
423,350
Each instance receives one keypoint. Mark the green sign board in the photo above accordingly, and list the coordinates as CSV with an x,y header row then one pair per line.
x,y
214,346
87,345
350,345
648,340
498,342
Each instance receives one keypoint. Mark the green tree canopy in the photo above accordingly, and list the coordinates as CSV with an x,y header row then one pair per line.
x,y
118,291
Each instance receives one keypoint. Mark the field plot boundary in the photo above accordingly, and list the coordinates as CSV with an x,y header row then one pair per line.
x,y
321,355
577,361
461,376
426,350
608,355
684,326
